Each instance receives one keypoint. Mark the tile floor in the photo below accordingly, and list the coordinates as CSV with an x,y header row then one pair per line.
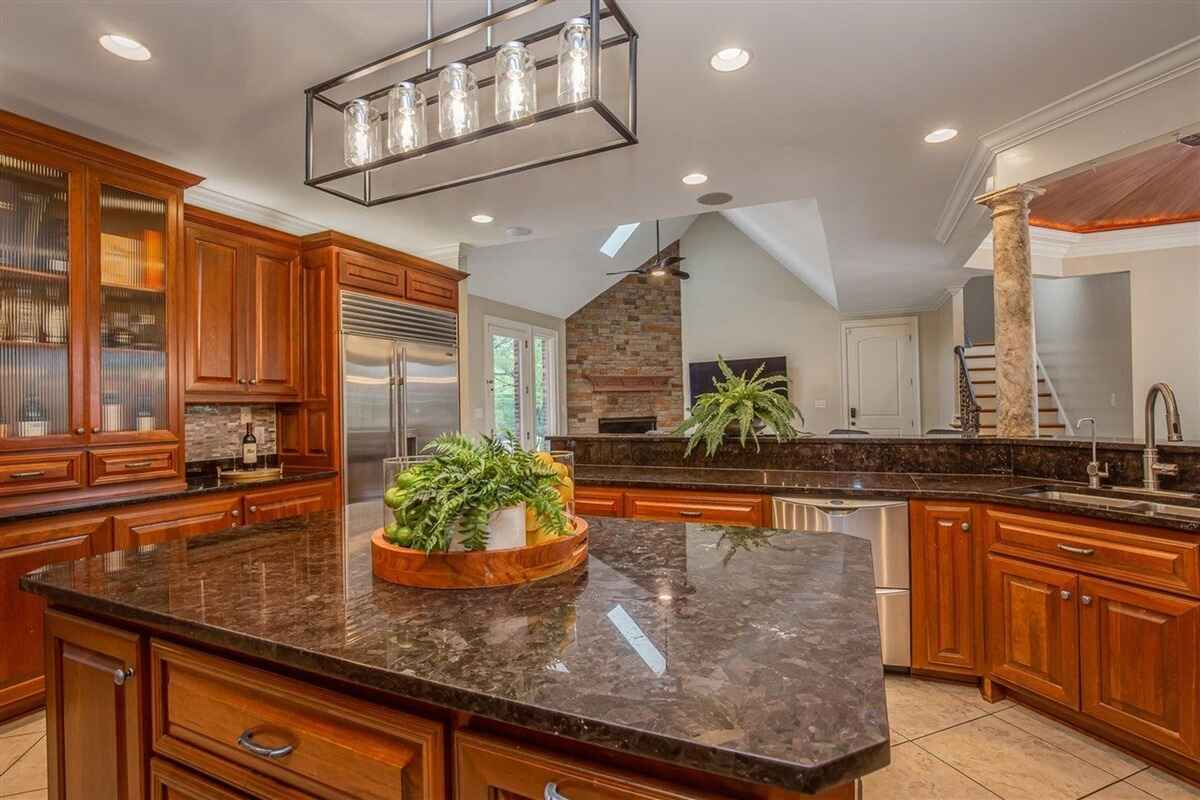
x,y
947,744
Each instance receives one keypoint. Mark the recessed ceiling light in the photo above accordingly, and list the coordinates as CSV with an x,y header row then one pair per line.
x,y
729,59
123,46
483,219
695,179
941,135
518,230
714,199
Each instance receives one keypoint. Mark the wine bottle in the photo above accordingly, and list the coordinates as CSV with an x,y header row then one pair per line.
x,y
249,448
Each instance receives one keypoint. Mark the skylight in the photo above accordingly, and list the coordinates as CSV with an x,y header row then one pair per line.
x,y
617,240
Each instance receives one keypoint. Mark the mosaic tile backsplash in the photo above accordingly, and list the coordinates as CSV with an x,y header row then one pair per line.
x,y
215,431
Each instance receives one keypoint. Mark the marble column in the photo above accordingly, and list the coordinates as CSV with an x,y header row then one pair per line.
x,y
1016,370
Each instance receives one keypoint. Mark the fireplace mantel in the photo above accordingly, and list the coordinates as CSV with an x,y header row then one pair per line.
x,y
629,383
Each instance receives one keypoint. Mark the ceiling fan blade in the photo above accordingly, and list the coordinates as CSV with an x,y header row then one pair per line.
x,y
673,260
623,272
683,276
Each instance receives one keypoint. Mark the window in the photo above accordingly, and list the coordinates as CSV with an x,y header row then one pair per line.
x,y
521,380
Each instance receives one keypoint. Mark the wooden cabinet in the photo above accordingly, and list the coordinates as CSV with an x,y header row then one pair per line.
x,y
41,472
275,737
599,501
25,546
720,508
1033,628
243,310
289,501
94,716
1138,653
128,464
170,782
361,271
947,598
166,522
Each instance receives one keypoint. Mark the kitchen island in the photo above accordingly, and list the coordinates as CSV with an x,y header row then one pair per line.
x,y
683,660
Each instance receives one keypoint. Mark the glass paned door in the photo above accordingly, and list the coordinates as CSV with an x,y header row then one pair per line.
x,y
134,246
506,349
545,384
37,245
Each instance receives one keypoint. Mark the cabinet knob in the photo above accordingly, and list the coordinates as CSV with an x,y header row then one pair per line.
x,y
241,380
235,513
1085,599
95,429
254,381
1065,594
122,674
966,526
80,431
552,793
253,509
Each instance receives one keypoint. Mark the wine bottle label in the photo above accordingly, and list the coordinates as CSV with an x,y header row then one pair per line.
x,y
250,454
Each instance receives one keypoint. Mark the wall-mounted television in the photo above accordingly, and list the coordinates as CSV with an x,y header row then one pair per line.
x,y
702,373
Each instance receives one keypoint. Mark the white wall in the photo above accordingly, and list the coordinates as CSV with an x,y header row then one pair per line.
x,y
939,385
741,303
473,389
1164,288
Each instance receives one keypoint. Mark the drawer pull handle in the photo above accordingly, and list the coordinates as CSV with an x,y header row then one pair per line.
x,y
246,742
691,513
1079,551
137,464
552,792
122,674
32,474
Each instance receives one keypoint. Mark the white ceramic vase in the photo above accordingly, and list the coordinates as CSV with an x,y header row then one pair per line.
x,y
506,529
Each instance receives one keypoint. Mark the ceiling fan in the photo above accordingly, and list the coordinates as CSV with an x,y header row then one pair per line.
x,y
658,265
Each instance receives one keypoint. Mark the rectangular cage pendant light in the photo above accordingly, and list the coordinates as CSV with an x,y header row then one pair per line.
x,y
556,87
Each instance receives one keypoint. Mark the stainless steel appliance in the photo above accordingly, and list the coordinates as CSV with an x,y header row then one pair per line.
x,y
399,385
885,524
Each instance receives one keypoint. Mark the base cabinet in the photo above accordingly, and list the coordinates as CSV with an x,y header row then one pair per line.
x,y
171,521
947,601
95,749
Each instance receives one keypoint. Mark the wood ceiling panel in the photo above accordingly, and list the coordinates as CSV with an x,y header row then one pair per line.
x,y
1159,186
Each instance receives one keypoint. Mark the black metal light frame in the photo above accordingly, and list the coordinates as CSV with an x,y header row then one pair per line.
x,y
600,10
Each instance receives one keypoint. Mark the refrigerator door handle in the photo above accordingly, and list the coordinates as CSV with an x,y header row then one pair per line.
x,y
398,398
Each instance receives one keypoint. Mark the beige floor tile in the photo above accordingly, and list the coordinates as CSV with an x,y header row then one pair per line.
x,y
1091,750
897,738
1118,791
37,794
969,693
914,774
28,774
13,747
1014,764
34,722
1164,786
919,707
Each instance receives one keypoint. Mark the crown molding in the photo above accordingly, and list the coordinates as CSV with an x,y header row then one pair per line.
x,y
213,200
1056,244
451,255
1141,77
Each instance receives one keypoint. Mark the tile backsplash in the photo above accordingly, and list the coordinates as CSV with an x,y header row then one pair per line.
x,y
215,431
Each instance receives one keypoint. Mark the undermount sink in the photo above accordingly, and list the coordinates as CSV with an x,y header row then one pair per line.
x,y
1168,509
1083,499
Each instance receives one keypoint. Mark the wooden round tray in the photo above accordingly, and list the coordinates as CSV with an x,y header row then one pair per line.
x,y
479,569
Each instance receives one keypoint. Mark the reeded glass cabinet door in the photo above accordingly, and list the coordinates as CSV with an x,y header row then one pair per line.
x,y
41,237
132,243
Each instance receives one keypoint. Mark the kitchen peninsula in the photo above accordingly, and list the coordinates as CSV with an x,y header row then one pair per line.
x,y
724,662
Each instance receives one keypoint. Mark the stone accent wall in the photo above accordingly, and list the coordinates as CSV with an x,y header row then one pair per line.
x,y
632,328
216,431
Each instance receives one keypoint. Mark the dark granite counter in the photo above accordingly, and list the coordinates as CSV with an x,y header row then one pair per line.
x,y
1007,489
197,485
747,653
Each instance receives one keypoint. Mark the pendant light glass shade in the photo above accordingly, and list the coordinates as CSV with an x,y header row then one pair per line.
x,y
458,101
362,133
516,84
406,118
575,61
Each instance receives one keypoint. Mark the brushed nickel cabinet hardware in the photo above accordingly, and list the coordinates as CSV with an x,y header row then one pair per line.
x,y
31,474
137,464
966,526
691,513
253,509
552,792
246,742
80,431
242,380
1066,595
1085,599
1078,551
122,674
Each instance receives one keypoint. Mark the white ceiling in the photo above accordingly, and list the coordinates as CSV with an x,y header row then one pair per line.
x,y
832,107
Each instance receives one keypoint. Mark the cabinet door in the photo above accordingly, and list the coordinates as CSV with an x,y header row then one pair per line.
x,y
95,749
947,603
43,298
1033,628
176,521
291,501
1138,657
24,547
274,338
170,782
215,309
134,297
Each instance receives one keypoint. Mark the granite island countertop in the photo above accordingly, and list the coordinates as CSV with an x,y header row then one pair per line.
x,y
747,653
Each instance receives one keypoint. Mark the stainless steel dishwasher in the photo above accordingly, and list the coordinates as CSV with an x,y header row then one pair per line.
x,y
885,524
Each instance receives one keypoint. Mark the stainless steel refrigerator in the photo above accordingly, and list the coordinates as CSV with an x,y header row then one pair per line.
x,y
399,385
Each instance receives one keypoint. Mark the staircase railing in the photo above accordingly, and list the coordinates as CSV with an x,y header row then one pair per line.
x,y
968,406
1062,412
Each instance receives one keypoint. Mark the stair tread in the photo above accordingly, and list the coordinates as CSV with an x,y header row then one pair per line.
x,y
992,396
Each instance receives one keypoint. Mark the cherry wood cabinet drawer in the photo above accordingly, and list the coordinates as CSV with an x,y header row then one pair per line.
x,y
720,508
367,272
1137,555
289,501
171,782
599,501
41,472
127,464
271,736
425,287
176,520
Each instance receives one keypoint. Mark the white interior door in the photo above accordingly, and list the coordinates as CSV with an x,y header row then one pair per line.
x,y
882,396
521,367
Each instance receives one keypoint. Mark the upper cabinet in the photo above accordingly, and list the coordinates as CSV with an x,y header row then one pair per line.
x,y
242,285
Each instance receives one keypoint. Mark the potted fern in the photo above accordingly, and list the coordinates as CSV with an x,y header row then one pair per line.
x,y
741,406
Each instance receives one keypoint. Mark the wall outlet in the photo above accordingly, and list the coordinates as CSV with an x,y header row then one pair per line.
x,y
247,415
818,404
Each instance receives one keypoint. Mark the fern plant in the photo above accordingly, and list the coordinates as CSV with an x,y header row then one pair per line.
x,y
459,487
738,400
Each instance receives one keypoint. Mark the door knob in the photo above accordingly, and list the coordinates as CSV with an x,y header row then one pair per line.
x,y
122,674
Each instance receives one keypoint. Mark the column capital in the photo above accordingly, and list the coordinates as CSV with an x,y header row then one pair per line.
x,y
1013,199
